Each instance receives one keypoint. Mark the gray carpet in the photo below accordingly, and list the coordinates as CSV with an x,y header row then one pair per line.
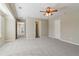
x,y
39,47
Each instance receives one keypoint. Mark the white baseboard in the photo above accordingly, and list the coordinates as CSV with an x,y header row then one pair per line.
x,y
67,41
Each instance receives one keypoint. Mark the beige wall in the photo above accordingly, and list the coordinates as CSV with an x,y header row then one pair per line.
x,y
70,25
10,33
44,28
10,28
65,27
2,28
30,28
51,27
3,25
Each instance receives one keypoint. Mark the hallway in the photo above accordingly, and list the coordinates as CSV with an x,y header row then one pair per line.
x,y
39,47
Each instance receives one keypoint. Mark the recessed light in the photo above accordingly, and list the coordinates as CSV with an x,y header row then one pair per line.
x,y
20,7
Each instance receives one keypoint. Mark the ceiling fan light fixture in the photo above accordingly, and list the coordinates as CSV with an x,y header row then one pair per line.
x,y
47,14
49,11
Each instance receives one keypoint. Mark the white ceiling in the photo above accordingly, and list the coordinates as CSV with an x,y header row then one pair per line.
x,y
32,9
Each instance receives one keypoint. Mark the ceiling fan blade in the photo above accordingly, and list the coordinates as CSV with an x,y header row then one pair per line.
x,y
42,11
54,10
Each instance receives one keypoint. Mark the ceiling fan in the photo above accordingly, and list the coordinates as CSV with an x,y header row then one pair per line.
x,y
49,11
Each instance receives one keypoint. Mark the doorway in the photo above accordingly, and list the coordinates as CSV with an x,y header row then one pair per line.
x,y
37,29
20,29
